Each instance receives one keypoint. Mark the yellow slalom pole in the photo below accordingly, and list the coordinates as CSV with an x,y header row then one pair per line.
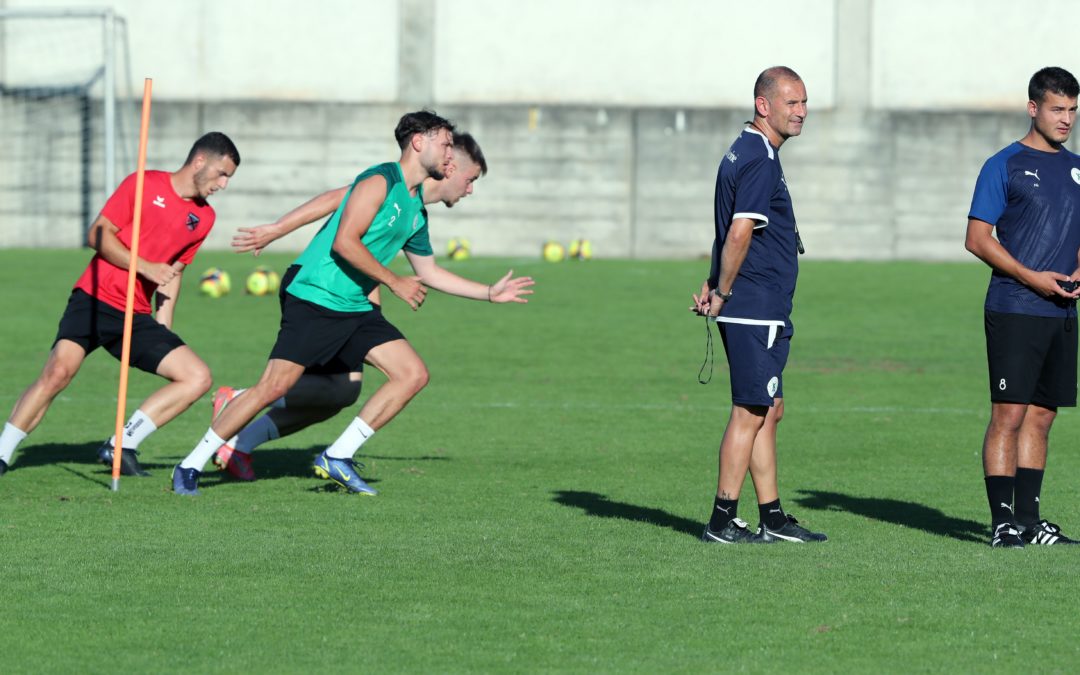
x,y
129,305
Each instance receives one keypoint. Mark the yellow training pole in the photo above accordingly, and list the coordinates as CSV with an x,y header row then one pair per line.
x,y
121,402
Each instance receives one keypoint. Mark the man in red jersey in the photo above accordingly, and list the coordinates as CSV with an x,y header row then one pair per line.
x,y
175,221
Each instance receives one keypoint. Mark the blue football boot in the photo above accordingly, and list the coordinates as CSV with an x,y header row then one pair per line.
x,y
342,472
185,481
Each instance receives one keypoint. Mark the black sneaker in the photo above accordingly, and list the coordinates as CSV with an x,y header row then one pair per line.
x,y
1044,533
735,532
129,460
791,531
1006,536
3,467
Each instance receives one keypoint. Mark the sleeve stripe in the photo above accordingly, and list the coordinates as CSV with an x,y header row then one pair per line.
x,y
762,220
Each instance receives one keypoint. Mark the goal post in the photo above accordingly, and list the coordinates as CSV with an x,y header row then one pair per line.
x,y
64,121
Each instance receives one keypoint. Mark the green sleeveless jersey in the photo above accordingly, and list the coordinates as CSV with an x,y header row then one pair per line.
x,y
401,223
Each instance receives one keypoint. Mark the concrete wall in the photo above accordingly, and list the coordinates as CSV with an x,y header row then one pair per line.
x,y
604,119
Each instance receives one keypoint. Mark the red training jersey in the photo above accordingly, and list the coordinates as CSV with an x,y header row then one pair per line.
x,y
172,229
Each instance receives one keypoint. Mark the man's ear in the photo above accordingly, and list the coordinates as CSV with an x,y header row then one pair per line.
x,y
761,105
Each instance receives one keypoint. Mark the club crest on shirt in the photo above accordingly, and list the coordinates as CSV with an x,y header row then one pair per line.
x,y
192,221
1075,173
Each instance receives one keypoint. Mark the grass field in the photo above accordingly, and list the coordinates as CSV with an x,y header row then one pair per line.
x,y
540,503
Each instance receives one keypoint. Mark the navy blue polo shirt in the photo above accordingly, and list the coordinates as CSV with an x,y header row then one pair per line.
x,y
750,184
1032,198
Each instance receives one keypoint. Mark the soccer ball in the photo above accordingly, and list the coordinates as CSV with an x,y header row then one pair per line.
x,y
580,249
553,251
215,282
263,281
458,248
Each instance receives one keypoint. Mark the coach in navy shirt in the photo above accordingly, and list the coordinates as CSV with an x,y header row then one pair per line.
x,y
1029,192
749,291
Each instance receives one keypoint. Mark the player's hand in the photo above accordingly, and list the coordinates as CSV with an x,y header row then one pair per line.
x,y
716,303
158,272
410,290
510,290
1046,284
701,301
255,239
1075,278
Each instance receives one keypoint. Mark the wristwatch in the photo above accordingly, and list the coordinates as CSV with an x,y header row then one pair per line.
x,y
723,296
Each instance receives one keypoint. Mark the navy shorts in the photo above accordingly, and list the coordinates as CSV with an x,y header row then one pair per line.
x,y
756,355
1032,359
90,323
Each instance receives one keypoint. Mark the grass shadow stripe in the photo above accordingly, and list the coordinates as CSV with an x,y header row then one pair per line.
x,y
897,512
599,506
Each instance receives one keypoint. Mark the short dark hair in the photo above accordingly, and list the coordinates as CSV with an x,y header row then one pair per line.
x,y
217,144
420,122
765,84
1055,80
470,147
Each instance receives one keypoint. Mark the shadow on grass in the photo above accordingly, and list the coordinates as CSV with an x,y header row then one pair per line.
x,y
69,453
297,463
595,504
330,487
908,514
57,453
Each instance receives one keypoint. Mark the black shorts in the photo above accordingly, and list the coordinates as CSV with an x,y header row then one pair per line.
x,y
1032,359
335,365
91,323
325,341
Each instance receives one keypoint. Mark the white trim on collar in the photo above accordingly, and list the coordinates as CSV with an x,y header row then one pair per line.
x,y
764,138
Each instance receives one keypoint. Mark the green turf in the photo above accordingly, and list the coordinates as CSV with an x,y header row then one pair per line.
x,y
541,501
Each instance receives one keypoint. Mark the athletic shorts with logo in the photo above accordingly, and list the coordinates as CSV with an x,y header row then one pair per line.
x,y
91,323
1032,359
326,341
756,357
335,365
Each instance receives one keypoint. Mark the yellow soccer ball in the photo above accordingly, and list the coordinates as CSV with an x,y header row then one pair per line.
x,y
459,248
580,249
263,281
554,252
215,282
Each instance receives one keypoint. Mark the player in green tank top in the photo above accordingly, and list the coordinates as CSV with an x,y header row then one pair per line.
x,y
320,395
400,223
345,267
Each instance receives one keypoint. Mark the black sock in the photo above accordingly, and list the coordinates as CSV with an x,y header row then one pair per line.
x,y
772,515
1028,487
723,511
999,492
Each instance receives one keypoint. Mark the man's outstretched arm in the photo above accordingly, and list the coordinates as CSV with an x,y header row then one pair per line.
x,y
255,239
506,289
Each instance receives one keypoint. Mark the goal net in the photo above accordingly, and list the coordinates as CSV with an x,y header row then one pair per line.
x,y
66,114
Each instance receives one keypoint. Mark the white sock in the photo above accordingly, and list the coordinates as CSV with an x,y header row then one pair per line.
x,y
203,451
9,440
135,431
255,434
350,441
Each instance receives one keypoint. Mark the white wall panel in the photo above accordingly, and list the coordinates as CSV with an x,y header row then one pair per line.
x,y
628,52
